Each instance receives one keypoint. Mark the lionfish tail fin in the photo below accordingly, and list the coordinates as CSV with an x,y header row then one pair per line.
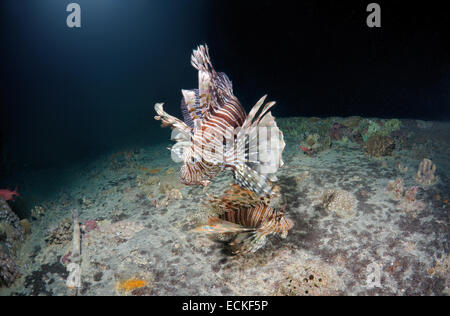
x,y
219,226
247,242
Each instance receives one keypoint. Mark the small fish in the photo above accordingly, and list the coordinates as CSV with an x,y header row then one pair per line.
x,y
216,133
8,195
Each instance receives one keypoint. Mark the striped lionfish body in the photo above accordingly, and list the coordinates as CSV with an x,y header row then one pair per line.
x,y
216,133
249,217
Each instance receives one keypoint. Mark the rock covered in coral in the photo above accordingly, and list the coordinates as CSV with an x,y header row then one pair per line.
x,y
342,202
9,271
378,146
336,131
7,215
311,279
315,143
11,232
426,173
61,234
26,225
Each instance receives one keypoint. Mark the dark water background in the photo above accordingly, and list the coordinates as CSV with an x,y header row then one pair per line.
x,y
68,94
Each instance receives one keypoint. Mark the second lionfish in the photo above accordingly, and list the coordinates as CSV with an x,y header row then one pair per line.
x,y
247,217
216,133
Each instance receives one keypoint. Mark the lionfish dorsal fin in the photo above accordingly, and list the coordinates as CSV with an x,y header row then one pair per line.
x,y
191,107
201,61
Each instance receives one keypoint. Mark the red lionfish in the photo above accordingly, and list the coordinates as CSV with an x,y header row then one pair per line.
x,y
216,133
249,217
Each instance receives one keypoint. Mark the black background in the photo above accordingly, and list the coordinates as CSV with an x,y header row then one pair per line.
x,y
71,93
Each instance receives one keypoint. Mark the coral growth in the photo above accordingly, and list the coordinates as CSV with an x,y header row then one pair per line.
x,y
61,234
379,128
11,231
426,173
396,188
352,122
315,143
9,271
406,198
171,195
313,279
378,146
343,203
336,131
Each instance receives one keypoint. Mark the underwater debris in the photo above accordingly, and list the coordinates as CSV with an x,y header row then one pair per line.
x,y
249,222
213,117
378,146
73,281
9,271
426,173
341,202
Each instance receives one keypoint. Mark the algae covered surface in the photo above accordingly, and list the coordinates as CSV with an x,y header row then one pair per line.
x,y
365,221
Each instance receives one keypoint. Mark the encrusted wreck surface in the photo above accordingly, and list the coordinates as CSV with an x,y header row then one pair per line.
x,y
352,234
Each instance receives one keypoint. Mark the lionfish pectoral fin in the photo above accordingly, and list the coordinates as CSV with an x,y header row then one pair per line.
x,y
251,179
263,143
247,242
219,226
169,120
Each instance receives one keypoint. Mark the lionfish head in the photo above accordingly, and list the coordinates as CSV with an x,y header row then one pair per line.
x,y
284,222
